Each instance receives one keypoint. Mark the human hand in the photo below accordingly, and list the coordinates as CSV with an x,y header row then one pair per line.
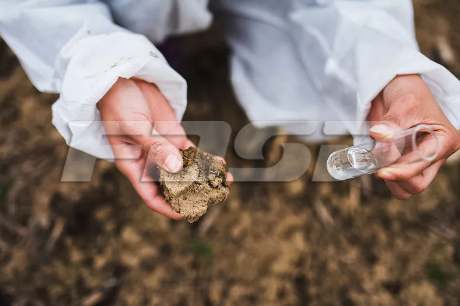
x,y
404,103
129,111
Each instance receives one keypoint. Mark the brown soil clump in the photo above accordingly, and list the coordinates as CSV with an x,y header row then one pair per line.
x,y
200,184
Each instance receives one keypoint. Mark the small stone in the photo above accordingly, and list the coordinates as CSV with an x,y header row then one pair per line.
x,y
200,184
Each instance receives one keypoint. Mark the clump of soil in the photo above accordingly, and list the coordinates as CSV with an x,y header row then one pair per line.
x,y
200,184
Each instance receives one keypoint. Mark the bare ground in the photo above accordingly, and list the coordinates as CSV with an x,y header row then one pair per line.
x,y
296,243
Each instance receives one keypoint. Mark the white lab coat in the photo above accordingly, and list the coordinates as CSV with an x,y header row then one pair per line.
x,y
292,60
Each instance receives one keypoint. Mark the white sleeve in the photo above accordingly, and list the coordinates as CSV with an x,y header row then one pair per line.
x,y
73,48
157,19
356,47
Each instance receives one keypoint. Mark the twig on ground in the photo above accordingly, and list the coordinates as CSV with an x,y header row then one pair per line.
x,y
354,199
12,226
98,295
323,214
3,246
13,194
366,183
56,233
209,219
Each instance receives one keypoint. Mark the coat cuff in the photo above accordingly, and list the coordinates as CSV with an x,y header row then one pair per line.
x,y
96,64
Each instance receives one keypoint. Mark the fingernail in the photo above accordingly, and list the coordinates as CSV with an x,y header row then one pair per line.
x,y
386,175
173,163
381,129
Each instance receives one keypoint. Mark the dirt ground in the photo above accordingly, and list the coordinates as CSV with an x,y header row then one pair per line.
x,y
296,243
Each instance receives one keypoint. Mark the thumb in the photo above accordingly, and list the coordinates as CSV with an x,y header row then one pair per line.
x,y
160,151
383,131
386,127
163,153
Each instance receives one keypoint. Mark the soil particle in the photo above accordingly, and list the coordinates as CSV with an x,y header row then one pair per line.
x,y
200,184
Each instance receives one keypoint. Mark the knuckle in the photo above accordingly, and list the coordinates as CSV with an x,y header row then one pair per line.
x,y
403,177
456,141
452,142
393,118
133,128
409,98
402,197
419,188
126,127
157,149
176,218
132,122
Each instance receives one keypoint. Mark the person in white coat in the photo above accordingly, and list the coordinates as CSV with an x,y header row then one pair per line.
x,y
292,60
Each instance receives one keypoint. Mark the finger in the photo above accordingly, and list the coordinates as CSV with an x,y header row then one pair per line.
x,y
378,109
230,178
411,164
420,182
384,129
162,114
126,115
187,144
148,191
402,98
409,102
397,191
386,153
221,159
174,133
159,150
